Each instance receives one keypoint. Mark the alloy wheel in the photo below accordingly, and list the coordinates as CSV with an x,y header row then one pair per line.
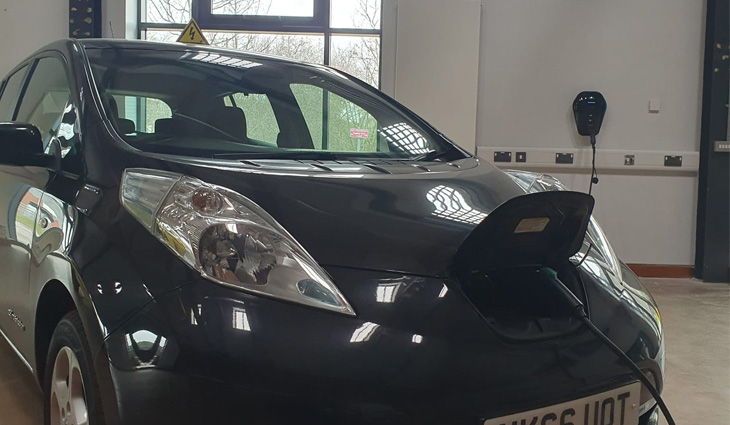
x,y
68,397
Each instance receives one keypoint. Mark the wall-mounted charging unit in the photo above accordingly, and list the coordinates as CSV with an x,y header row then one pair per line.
x,y
589,107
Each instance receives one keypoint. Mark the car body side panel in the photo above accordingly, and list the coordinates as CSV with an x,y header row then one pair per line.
x,y
21,189
71,250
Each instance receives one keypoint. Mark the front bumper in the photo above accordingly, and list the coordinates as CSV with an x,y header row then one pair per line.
x,y
416,353
163,397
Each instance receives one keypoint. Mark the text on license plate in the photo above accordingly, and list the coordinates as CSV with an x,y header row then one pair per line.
x,y
615,407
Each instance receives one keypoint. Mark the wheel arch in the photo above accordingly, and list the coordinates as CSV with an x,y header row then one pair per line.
x,y
55,300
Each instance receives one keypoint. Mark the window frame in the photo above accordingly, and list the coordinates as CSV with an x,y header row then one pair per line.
x,y
318,24
29,77
207,19
24,67
73,99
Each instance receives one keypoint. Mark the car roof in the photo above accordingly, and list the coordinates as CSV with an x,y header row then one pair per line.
x,y
68,45
115,43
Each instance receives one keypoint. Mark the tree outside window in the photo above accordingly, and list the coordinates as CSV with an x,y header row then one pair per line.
x,y
347,39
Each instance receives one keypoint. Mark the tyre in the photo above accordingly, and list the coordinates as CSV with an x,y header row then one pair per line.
x,y
70,391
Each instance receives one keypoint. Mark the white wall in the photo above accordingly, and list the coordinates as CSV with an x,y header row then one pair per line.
x,y
119,18
537,55
540,54
649,218
534,57
436,64
26,26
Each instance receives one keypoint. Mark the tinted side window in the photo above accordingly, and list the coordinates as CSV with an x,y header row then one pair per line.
x,y
310,101
10,94
260,118
46,103
141,113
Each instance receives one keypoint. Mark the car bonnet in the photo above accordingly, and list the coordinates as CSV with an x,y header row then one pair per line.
x,y
403,216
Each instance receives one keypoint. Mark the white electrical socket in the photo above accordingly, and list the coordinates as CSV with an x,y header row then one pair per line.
x,y
654,106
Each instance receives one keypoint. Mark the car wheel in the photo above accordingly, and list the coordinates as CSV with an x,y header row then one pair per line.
x,y
71,394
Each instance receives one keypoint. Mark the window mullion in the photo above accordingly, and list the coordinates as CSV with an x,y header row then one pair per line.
x,y
325,119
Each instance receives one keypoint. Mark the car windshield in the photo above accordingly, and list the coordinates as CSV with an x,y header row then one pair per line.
x,y
215,104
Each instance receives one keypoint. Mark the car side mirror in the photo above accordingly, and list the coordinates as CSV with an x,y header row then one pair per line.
x,y
21,144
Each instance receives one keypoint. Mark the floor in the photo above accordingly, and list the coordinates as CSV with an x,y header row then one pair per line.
x,y
696,318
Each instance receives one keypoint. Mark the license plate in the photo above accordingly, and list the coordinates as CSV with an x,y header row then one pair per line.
x,y
615,407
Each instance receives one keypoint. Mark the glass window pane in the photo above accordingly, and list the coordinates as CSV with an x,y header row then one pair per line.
x,y
263,7
161,35
261,122
305,48
350,128
356,55
46,103
166,11
200,88
355,14
142,111
9,98
310,100
155,109
128,108
46,98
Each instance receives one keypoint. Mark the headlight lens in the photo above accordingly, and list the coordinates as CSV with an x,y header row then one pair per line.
x,y
531,183
597,238
227,238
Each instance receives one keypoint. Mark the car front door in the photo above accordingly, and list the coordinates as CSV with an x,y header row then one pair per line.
x,y
45,102
20,194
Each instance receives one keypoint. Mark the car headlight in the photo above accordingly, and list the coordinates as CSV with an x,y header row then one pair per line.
x,y
533,182
596,237
227,238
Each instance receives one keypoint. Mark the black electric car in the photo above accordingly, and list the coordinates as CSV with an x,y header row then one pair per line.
x,y
191,235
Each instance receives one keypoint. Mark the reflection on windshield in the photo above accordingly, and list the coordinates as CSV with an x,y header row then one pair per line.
x,y
218,59
451,204
404,137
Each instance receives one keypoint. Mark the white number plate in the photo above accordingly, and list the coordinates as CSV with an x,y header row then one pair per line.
x,y
615,407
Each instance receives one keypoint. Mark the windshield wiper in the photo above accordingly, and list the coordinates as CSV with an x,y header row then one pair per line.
x,y
433,155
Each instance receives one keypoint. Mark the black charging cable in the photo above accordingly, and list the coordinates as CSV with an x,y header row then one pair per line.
x,y
594,172
579,311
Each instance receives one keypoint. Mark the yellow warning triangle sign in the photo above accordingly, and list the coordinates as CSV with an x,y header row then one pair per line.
x,y
192,34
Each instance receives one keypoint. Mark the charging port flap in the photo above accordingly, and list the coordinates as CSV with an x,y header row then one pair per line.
x,y
498,267
537,229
